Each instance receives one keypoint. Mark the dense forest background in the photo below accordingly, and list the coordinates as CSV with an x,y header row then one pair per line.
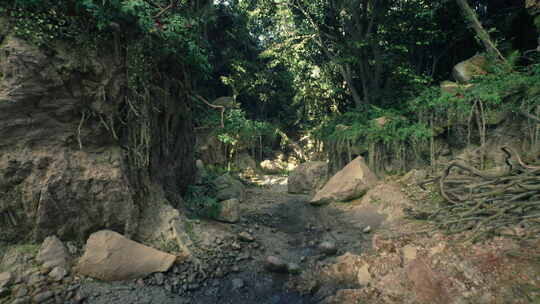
x,y
318,72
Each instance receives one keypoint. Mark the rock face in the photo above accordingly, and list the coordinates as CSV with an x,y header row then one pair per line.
x,y
230,211
67,166
308,177
351,182
464,71
109,256
60,171
228,188
53,253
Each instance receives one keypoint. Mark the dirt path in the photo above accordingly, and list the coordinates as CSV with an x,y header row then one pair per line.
x,y
232,270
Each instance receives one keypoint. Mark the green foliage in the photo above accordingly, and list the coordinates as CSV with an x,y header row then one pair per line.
x,y
241,130
200,199
90,23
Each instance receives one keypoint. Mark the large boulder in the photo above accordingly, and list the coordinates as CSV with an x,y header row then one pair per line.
x,y
229,211
163,227
464,71
228,188
53,253
308,177
351,182
109,256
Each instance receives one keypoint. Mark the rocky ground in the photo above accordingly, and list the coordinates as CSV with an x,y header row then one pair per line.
x,y
252,261
284,250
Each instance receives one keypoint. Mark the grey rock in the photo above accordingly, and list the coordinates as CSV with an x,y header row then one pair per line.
x,y
58,273
229,188
24,300
237,283
308,177
160,278
6,278
367,229
21,292
229,211
293,268
275,264
349,183
43,296
464,71
53,253
246,237
328,247
36,279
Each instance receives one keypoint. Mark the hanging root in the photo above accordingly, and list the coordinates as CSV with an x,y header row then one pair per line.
x,y
487,204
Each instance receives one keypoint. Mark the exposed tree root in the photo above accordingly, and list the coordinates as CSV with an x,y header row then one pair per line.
x,y
487,204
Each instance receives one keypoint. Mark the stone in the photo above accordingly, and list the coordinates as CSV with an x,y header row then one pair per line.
x,y
328,247
53,253
23,300
464,71
275,264
36,279
109,256
351,182
228,187
293,268
43,296
274,166
364,276
229,211
366,229
160,279
409,253
6,278
161,223
308,177
237,283
21,292
246,237
58,273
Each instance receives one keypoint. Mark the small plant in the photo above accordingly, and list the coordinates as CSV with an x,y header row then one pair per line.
x,y
200,199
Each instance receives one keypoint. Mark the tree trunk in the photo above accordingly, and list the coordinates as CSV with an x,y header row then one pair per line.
x,y
346,74
471,17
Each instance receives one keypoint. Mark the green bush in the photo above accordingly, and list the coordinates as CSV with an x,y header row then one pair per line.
x,y
200,199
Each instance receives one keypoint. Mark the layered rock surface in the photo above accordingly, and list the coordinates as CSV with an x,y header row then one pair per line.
x,y
60,170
